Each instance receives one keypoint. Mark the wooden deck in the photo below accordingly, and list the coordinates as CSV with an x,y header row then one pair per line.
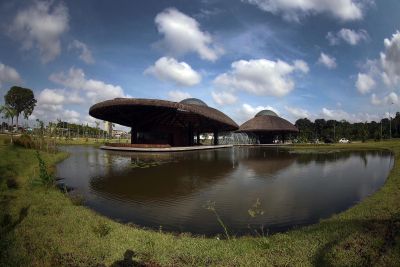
x,y
163,149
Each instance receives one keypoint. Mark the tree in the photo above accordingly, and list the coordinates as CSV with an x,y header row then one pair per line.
x,y
9,113
97,123
306,128
21,100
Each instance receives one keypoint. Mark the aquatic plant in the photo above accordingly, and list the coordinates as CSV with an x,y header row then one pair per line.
x,y
256,209
210,205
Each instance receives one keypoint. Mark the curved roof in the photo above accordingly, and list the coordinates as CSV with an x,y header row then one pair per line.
x,y
193,101
266,112
267,123
153,113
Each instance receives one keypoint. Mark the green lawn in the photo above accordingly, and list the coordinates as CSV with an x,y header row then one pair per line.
x,y
44,227
89,141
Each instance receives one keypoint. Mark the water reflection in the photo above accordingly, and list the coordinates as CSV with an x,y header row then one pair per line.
x,y
170,189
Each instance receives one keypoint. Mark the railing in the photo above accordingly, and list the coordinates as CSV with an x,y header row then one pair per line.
x,y
138,145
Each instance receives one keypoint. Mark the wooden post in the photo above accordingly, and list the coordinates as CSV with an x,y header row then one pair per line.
x,y
190,135
215,137
134,134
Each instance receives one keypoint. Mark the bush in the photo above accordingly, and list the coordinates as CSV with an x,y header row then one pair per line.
x,y
45,178
24,141
102,229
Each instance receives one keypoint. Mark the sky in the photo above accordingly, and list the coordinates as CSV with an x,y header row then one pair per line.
x,y
312,58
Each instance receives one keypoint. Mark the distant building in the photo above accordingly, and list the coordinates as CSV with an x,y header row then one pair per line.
x,y
155,121
119,133
108,127
268,127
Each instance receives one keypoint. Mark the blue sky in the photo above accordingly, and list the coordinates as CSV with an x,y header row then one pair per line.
x,y
312,58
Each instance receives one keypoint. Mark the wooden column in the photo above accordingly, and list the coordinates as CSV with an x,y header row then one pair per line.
x,y
198,138
190,135
134,135
215,137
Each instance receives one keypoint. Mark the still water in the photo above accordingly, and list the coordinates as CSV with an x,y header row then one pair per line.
x,y
173,190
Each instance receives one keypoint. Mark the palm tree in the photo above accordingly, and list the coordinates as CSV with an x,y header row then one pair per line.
x,y
9,113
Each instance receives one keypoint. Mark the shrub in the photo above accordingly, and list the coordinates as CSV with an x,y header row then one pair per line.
x,y
24,141
45,178
102,229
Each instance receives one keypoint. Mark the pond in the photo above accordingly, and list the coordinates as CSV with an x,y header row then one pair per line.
x,y
250,188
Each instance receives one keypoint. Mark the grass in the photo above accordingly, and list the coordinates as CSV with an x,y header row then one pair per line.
x,y
88,141
43,227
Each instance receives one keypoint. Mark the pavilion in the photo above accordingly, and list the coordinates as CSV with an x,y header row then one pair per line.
x,y
268,126
164,122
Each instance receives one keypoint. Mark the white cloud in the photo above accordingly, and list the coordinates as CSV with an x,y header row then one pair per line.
x,y
95,90
327,61
246,112
301,65
177,95
51,102
364,83
391,98
49,96
294,10
182,34
41,26
59,97
339,114
390,60
375,100
168,69
85,53
298,113
261,76
54,112
71,116
223,98
8,75
351,37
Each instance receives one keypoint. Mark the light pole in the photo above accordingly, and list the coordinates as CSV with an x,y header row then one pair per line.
x,y
390,121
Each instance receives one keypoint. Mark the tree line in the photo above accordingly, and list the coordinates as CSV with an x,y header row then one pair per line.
x,y
19,100
333,130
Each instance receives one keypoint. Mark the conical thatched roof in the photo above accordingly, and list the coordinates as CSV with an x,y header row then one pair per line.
x,y
151,113
267,121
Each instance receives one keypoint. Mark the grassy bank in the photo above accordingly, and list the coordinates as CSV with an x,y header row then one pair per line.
x,y
43,227
88,141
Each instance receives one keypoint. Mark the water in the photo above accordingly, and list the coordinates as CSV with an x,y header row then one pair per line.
x,y
172,190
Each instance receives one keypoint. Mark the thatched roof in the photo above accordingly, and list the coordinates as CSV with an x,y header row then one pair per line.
x,y
153,113
267,121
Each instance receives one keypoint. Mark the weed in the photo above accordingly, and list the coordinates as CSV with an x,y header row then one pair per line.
x,y
102,229
210,205
77,199
45,178
256,209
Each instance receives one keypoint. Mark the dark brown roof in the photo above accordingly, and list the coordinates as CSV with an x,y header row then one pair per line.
x,y
267,123
151,113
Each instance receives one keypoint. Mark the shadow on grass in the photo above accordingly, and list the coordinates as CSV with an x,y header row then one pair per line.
x,y
360,243
7,225
128,260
